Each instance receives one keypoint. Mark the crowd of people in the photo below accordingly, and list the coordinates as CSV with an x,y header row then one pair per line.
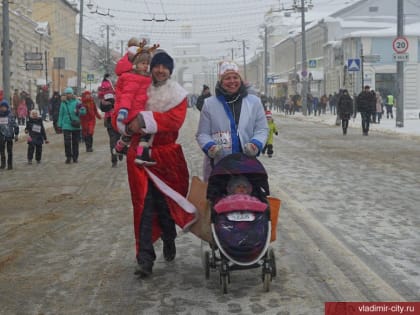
x,y
70,115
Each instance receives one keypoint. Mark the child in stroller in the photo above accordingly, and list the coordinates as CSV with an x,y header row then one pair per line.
x,y
240,218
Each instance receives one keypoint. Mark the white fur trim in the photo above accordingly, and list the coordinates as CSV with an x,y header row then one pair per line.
x,y
164,97
150,122
174,195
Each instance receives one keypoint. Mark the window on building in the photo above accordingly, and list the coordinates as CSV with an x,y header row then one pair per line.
x,y
373,9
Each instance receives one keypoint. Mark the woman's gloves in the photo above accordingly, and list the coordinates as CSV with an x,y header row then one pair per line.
x,y
121,117
251,149
215,151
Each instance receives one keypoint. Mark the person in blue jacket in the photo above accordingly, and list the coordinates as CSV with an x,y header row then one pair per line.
x,y
232,121
69,121
9,130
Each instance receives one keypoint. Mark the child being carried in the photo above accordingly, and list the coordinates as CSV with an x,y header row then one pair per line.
x,y
131,97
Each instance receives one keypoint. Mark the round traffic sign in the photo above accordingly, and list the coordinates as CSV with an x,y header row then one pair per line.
x,y
400,44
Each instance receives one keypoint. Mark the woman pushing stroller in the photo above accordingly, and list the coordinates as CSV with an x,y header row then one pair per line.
x,y
232,121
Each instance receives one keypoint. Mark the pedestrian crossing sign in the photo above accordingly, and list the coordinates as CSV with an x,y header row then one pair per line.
x,y
353,64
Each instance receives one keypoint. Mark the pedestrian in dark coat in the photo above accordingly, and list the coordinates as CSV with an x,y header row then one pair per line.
x,y
366,104
9,130
30,105
204,94
345,109
37,135
54,108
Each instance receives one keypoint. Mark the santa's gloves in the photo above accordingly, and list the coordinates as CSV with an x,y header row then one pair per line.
x,y
121,117
251,149
215,151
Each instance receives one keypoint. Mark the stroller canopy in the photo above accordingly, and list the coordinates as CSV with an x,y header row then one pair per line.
x,y
237,164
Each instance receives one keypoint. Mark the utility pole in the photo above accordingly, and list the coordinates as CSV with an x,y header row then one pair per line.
x,y
265,60
6,51
304,62
399,121
46,68
304,5
243,52
362,61
107,50
79,51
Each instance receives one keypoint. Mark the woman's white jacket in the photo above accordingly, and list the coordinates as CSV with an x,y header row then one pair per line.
x,y
217,125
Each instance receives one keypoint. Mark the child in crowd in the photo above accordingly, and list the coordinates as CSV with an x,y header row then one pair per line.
x,y
131,91
8,130
36,136
272,130
22,112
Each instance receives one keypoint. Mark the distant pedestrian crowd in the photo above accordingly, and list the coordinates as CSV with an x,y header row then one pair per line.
x,y
71,116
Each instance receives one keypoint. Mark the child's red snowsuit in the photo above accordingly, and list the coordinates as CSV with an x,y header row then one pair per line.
x,y
130,90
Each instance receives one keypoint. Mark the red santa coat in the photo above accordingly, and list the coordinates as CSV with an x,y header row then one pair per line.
x,y
131,94
165,113
88,121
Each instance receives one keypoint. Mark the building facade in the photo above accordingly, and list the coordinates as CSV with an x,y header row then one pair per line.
x,y
30,44
61,16
365,28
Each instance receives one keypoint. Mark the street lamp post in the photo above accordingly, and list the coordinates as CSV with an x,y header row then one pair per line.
x,y
6,51
400,69
304,62
302,7
265,60
79,51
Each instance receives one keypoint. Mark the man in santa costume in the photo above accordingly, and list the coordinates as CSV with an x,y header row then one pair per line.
x,y
158,192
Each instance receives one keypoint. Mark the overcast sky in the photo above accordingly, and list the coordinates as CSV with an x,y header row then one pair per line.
x,y
213,22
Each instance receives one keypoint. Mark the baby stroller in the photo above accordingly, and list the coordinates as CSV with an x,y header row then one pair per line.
x,y
240,224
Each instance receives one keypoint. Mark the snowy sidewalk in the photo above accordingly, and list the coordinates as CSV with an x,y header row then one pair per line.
x,y
411,126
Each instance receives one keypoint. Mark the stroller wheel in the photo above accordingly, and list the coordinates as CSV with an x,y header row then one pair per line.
x,y
272,260
224,283
267,282
224,276
207,264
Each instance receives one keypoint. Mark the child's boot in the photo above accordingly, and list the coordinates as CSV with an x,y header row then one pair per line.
x,y
143,156
120,148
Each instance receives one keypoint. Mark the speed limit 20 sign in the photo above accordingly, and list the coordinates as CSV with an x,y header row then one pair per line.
x,y
400,45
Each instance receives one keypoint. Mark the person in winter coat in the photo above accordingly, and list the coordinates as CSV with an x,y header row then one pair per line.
x,y
379,107
232,121
204,94
69,116
158,191
366,104
389,106
125,64
88,121
22,112
9,130
36,136
54,110
30,105
106,95
272,130
15,102
42,99
323,102
131,97
345,109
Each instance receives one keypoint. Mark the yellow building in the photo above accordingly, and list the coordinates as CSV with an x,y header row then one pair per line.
x,y
62,18
29,41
